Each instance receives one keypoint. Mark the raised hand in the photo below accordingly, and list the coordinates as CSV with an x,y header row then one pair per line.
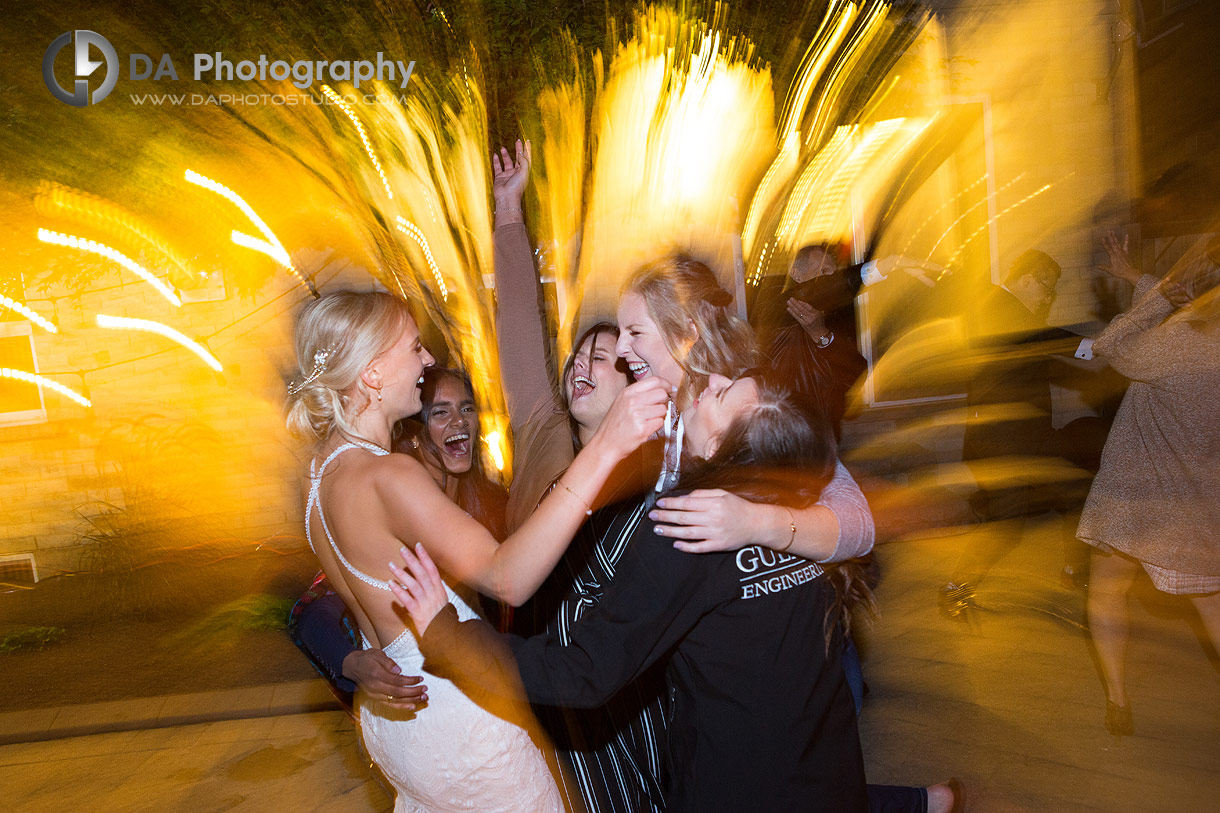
x,y
509,177
1120,265
637,414
378,676
419,588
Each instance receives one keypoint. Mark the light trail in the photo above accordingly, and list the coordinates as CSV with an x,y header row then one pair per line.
x,y
277,250
364,137
43,381
125,323
60,239
14,305
407,227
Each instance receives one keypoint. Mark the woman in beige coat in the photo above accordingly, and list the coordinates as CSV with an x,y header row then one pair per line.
x,y
1155,502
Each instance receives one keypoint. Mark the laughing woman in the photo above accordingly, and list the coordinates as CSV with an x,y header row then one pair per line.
x,y
361,364
761,715
448,446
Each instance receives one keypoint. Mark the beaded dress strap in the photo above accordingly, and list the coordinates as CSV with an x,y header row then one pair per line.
x,y
315,482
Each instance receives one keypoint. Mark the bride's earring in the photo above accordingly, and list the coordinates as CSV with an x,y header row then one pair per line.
x,y
379,393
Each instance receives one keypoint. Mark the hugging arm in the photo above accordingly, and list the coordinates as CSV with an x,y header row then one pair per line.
x,y
511,571
838,527
654,600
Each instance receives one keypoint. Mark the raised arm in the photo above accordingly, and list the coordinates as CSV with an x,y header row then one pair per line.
x,y
519,327
417,510
1130,346
838,527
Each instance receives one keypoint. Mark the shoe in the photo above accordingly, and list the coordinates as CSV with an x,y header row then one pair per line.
x,y
959,795
954,600
1118,720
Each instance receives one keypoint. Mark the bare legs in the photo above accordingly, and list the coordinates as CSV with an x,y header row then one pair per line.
x,y
1110,580
1111,577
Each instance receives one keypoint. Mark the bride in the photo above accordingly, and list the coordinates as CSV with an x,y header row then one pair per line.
x,y
361,363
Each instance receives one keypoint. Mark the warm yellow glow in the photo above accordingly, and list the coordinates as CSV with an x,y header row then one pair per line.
x,y
919,229
682,128
497,446
42,381
408,228
125,323
56,200
109,253
251,242
975,234
14,305
364,138
276,248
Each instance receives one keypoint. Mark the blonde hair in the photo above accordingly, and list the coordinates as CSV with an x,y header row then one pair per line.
x,y
337,337
681,292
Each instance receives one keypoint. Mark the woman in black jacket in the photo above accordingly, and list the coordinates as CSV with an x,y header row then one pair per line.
x,y
761,717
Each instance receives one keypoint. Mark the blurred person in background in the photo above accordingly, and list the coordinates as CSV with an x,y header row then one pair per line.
x,y
1155,504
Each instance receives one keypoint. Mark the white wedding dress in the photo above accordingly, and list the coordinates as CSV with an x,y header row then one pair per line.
x,y
452,754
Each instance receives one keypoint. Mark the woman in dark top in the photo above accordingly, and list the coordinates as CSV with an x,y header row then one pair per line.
x,y
761,717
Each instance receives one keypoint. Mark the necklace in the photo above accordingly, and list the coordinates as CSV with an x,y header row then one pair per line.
x,y
371,447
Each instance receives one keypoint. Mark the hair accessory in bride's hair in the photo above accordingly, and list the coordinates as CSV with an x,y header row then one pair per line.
x,y
320,360
720,298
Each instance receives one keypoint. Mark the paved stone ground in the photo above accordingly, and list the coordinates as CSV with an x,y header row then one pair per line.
x,y
292,762
1011,703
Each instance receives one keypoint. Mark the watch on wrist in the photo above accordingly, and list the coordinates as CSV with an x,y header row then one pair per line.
x,y
824,341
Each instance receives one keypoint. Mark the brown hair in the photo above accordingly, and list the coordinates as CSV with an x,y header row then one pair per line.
x,y
476,493
593,332
696,322
778,453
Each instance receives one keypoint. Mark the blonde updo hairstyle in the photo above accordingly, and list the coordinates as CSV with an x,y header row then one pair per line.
x,y
679,291
352,328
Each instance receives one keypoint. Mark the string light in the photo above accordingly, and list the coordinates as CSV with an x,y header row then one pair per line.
x,y
368,146
124,323
14,305
60,239
407,227
42,381
274,248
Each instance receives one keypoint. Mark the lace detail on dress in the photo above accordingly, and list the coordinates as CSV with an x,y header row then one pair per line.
x,y
452,754
315,483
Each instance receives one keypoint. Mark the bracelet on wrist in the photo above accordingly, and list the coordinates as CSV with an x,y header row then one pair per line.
x,y
580,499
792,526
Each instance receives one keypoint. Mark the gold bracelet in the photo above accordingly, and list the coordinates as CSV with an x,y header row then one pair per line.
x,y
588,508
792,525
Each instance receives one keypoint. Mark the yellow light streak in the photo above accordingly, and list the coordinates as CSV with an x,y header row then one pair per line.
x,y
983,227
281,254
364,137
14,305
125,323
60,239
56,200
495,446
43,381
919,229
962,217
407,227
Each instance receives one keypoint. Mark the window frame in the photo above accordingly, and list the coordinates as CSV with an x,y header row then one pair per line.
x,y
13,329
